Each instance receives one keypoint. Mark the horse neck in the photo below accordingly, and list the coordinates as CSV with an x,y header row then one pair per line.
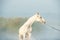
x,y
31,20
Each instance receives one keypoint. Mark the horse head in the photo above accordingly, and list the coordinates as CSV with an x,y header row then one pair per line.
x,y
39,18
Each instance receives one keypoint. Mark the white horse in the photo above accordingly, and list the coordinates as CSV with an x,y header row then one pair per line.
x,y
25,30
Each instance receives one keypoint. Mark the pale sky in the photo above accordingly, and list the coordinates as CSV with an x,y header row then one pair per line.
x,y
26,8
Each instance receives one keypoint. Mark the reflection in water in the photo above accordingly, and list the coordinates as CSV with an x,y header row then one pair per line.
x,y
40,32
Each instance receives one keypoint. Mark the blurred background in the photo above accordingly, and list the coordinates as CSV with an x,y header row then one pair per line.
x,y
13,14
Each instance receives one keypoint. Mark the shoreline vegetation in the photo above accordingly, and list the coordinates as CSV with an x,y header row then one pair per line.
x,y
11,24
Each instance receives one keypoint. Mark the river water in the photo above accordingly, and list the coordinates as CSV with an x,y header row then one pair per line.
x,y
40,32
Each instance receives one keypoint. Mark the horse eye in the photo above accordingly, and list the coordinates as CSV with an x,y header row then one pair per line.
x,y
40,17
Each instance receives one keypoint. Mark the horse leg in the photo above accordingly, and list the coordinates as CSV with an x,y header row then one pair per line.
x,y
28,33
28,36
20,37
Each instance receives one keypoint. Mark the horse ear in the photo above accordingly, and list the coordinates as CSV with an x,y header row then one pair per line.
x,y
37,13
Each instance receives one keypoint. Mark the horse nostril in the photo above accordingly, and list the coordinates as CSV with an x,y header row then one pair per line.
x,y
44,22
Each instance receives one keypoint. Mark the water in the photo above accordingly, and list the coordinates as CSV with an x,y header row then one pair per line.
x,y
40,32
